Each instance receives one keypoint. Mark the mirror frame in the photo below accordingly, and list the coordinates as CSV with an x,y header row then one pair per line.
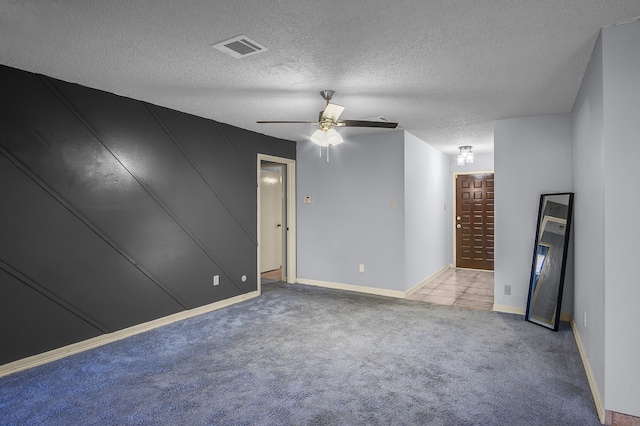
x,y
554,324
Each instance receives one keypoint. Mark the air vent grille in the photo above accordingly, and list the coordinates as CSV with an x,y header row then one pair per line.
x,y
240,47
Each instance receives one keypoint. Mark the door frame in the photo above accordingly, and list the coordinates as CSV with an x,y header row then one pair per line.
x,y
290,243
455,207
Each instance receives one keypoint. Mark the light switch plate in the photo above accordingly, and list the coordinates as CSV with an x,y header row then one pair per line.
x,y
306,199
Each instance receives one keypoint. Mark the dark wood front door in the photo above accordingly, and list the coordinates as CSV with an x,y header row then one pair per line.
x,y
474,221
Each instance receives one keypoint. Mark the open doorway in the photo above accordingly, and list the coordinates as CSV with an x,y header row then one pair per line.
x,y
272,220
470,283
276,219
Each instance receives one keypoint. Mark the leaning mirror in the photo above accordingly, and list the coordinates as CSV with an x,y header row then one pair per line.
x,y
549,260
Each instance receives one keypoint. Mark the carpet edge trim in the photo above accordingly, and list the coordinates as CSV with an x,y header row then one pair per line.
x,y
590,377
75,348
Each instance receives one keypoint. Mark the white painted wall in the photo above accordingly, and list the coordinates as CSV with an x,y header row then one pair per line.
x,y
351,220
621,59
532,156
427,223
589,213
604,147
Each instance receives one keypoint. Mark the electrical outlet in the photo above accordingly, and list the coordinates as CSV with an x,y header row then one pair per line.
x,y
216,279
394,204
362,267
584,318
507,290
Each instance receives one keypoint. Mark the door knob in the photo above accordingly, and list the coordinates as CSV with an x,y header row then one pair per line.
x,y
458,217
458,226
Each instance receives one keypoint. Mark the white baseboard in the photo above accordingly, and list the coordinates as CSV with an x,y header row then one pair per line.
x,y
564,316
509,309
357,288
426,280
398,294
590,377
43,358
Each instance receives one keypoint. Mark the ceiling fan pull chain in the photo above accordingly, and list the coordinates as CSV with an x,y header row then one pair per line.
x,y
320,146
328,153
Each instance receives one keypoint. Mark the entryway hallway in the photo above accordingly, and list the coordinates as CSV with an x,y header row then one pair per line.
x,y
468,288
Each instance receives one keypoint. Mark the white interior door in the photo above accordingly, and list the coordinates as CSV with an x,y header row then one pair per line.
x,y
271,219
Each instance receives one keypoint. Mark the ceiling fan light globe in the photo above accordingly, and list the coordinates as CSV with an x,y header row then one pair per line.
x,y
320,138
333,137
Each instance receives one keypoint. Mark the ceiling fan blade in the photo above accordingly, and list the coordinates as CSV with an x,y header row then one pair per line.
x,y
287,122
365,123
332,112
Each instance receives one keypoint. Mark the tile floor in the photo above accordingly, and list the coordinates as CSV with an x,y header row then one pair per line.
x,y
468,288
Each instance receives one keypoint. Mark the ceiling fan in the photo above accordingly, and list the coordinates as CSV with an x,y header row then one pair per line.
x,y
330,118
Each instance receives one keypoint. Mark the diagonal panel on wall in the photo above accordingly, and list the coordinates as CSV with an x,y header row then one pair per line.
x,y
114,212
54,298
86,221
53,145
67,258
245,144
245,147
204,146
44,325
148,153
278,147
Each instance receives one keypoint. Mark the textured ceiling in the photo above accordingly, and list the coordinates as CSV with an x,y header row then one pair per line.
x,y
443,69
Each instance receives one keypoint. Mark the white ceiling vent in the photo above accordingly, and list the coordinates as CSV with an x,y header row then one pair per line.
x,y
240,47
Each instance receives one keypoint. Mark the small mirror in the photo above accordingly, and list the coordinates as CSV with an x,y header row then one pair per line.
x,y
549,260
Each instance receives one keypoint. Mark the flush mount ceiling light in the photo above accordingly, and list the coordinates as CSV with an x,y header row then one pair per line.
x,y
466,155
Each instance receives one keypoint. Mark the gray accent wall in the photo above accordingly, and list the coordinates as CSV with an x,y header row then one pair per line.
x,y
116,212
351,220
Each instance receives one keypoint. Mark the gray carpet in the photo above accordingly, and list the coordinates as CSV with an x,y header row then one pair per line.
x,y
310,356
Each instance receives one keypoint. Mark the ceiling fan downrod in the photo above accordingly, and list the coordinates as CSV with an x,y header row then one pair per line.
x,y
327,95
